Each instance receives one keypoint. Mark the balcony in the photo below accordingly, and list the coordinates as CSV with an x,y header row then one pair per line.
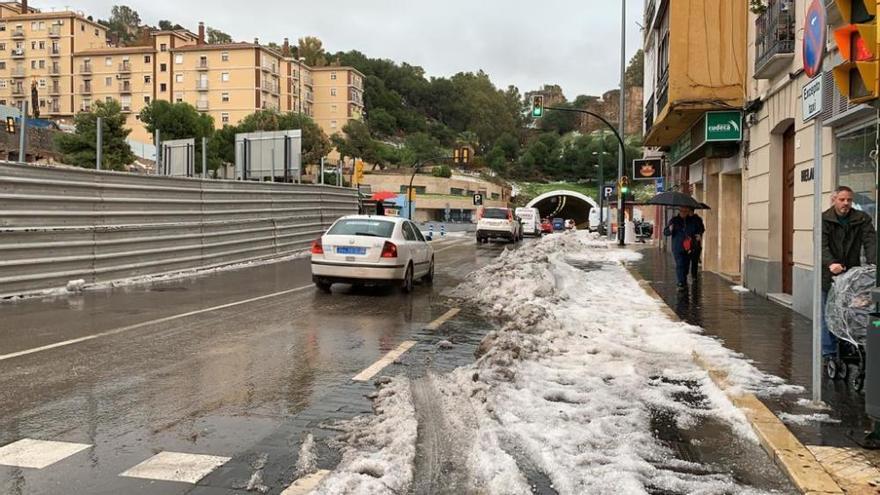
x,y
55,89
125,68
55,31
54,51
18,33
126,108
649,115
85,89
85,69
18,90
202,106
86,107
18,53
18,72
662,93
270,87
55,70
202,85
202,65
125,88
774,39
54,108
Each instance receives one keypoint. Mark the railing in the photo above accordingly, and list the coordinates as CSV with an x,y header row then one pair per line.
x,y
54,109
18,72
270,87
649,114
125,67
55,70
85,89
774,32
55,90
202,105
17,90
55,32
270,68
662,91
202,65
86,108
126,108
54,51
202,85
18,33
18,53
85,68
125,88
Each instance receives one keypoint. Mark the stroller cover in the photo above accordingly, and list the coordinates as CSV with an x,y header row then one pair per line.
x,y
849,306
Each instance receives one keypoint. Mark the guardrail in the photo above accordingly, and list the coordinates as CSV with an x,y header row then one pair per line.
x,y
59,224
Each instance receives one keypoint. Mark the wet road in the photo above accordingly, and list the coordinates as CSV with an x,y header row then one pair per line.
x,y
239,364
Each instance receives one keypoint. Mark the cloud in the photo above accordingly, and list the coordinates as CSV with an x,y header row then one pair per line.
x,y
573,43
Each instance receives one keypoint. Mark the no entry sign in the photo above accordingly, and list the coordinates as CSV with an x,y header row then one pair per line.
x,y
815,32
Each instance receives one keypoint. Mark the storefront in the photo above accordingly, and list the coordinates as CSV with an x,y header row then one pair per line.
x,y
855,167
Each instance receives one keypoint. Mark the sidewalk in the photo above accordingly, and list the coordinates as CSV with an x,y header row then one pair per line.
x,y
779,342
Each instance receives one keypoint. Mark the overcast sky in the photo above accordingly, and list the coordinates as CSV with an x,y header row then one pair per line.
x,y
573,43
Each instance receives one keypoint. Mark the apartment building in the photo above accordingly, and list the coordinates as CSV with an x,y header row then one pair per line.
x,y
339,97
695,77
297,93
37,48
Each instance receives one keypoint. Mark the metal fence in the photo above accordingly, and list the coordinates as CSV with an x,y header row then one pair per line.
x,y
59,224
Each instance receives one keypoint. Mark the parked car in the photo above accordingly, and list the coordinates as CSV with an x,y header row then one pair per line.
x,y
498,223
361,249
546,226
530,218
558,224
570,225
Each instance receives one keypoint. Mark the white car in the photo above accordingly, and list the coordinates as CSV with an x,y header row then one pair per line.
x,y
362,249
498,223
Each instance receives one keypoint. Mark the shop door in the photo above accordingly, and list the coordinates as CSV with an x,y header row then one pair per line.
x,y
787,210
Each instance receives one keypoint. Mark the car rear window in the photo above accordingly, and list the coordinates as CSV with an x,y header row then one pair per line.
x,y
366,227
495,213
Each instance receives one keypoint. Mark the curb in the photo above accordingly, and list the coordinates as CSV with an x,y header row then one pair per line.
x,y
796,461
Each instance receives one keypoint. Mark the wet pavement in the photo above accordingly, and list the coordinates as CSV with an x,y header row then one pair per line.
x,y
776,339
245,381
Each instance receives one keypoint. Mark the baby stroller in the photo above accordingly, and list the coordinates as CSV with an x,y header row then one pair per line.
x,y
848,315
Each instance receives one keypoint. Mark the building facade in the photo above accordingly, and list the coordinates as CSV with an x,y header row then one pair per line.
x,y
68,58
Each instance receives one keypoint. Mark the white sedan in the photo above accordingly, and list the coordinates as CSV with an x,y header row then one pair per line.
x,y
362,249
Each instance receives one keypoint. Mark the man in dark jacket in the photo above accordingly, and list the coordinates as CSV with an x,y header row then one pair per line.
x,y
686,230
845,232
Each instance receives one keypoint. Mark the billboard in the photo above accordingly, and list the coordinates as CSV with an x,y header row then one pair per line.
x,y
272,155
178,158
647,169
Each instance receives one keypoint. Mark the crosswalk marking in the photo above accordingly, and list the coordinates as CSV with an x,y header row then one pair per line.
x,y
382,363
176,466
306,484
37,454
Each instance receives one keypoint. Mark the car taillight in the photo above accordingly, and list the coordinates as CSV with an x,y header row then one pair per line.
x,y
317,247
389,250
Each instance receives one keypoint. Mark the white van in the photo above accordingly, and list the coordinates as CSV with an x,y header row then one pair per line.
x,y
594,218
531,220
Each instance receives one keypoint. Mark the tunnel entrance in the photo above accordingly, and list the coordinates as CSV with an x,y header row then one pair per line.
x,y
565,204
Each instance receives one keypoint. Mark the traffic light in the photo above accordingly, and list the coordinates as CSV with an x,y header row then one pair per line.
x,y
537,106
858,77
358,171
10,125
624,186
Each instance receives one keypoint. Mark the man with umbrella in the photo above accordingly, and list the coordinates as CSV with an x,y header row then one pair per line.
x,y
685,229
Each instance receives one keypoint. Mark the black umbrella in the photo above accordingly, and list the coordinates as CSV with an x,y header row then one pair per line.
x,y
704,206
675,198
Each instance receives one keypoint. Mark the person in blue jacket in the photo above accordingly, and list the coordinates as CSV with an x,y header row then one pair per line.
x,y
686,230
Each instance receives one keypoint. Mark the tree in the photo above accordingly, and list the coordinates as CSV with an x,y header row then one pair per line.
x,y
124,24
80,148
635,71
312,49
356,142
179,121
217,37
443,171
166,25
419,147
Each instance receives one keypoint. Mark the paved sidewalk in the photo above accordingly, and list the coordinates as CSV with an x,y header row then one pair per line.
x,y
779,342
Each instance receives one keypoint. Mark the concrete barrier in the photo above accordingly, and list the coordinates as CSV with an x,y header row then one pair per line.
x,y
63,223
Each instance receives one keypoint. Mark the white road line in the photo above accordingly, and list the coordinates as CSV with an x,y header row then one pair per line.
x,y
436,324
382,363
37,454
306,484
166,319
176,466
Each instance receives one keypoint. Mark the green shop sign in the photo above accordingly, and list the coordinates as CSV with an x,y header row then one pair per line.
x,y
723,126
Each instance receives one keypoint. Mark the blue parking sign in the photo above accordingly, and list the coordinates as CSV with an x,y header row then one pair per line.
x,y
661,184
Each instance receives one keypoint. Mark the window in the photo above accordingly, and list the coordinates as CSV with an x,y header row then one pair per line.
x,y
33,64
163,67
41,64
42,45
148,79
224,97
178,97
108,99
178,78
496,196
2,47
33,45
224,77
455,191
108,81
178,59
126,102
376,228
82,27
2,27
333,108
224,56
332,91
333,124
108,61
332,76
163,47
2,83
2,65
147,100
224,118
148,59
855,168
163,87
408,232
97,33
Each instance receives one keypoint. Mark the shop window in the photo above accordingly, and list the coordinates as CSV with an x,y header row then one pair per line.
x,y
856,169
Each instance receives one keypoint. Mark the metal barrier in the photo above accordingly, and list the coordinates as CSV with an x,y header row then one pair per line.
x,y
59,224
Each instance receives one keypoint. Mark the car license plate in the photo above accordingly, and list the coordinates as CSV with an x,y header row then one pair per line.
x,y
351,250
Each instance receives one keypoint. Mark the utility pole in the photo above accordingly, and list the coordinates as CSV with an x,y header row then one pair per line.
x,y
158,144
99,146
22,139
204,158
322,171
621,217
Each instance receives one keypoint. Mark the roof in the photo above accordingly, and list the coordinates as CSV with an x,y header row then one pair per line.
x,y
180,33
333,68
226,46
116,51
65,14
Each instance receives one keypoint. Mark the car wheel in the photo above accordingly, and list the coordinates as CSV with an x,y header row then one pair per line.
x,y
407,286
429,277
324,287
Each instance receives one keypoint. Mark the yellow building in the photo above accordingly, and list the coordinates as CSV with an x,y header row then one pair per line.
x,y
339,97
695,90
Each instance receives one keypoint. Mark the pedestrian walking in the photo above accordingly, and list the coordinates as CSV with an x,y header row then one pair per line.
x,y
380,208
845,233
686,230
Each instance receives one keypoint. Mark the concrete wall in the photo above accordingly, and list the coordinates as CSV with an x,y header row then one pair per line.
x,y
62,224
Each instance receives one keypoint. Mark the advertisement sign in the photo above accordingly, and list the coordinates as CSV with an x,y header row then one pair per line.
x,y
724,126
647,169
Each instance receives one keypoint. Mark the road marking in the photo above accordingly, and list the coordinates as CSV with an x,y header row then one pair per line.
x,y
436,324
166,319
306,484
176,466
454,245
37,454
382,363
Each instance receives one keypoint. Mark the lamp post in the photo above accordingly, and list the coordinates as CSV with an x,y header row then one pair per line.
x,y
418,166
